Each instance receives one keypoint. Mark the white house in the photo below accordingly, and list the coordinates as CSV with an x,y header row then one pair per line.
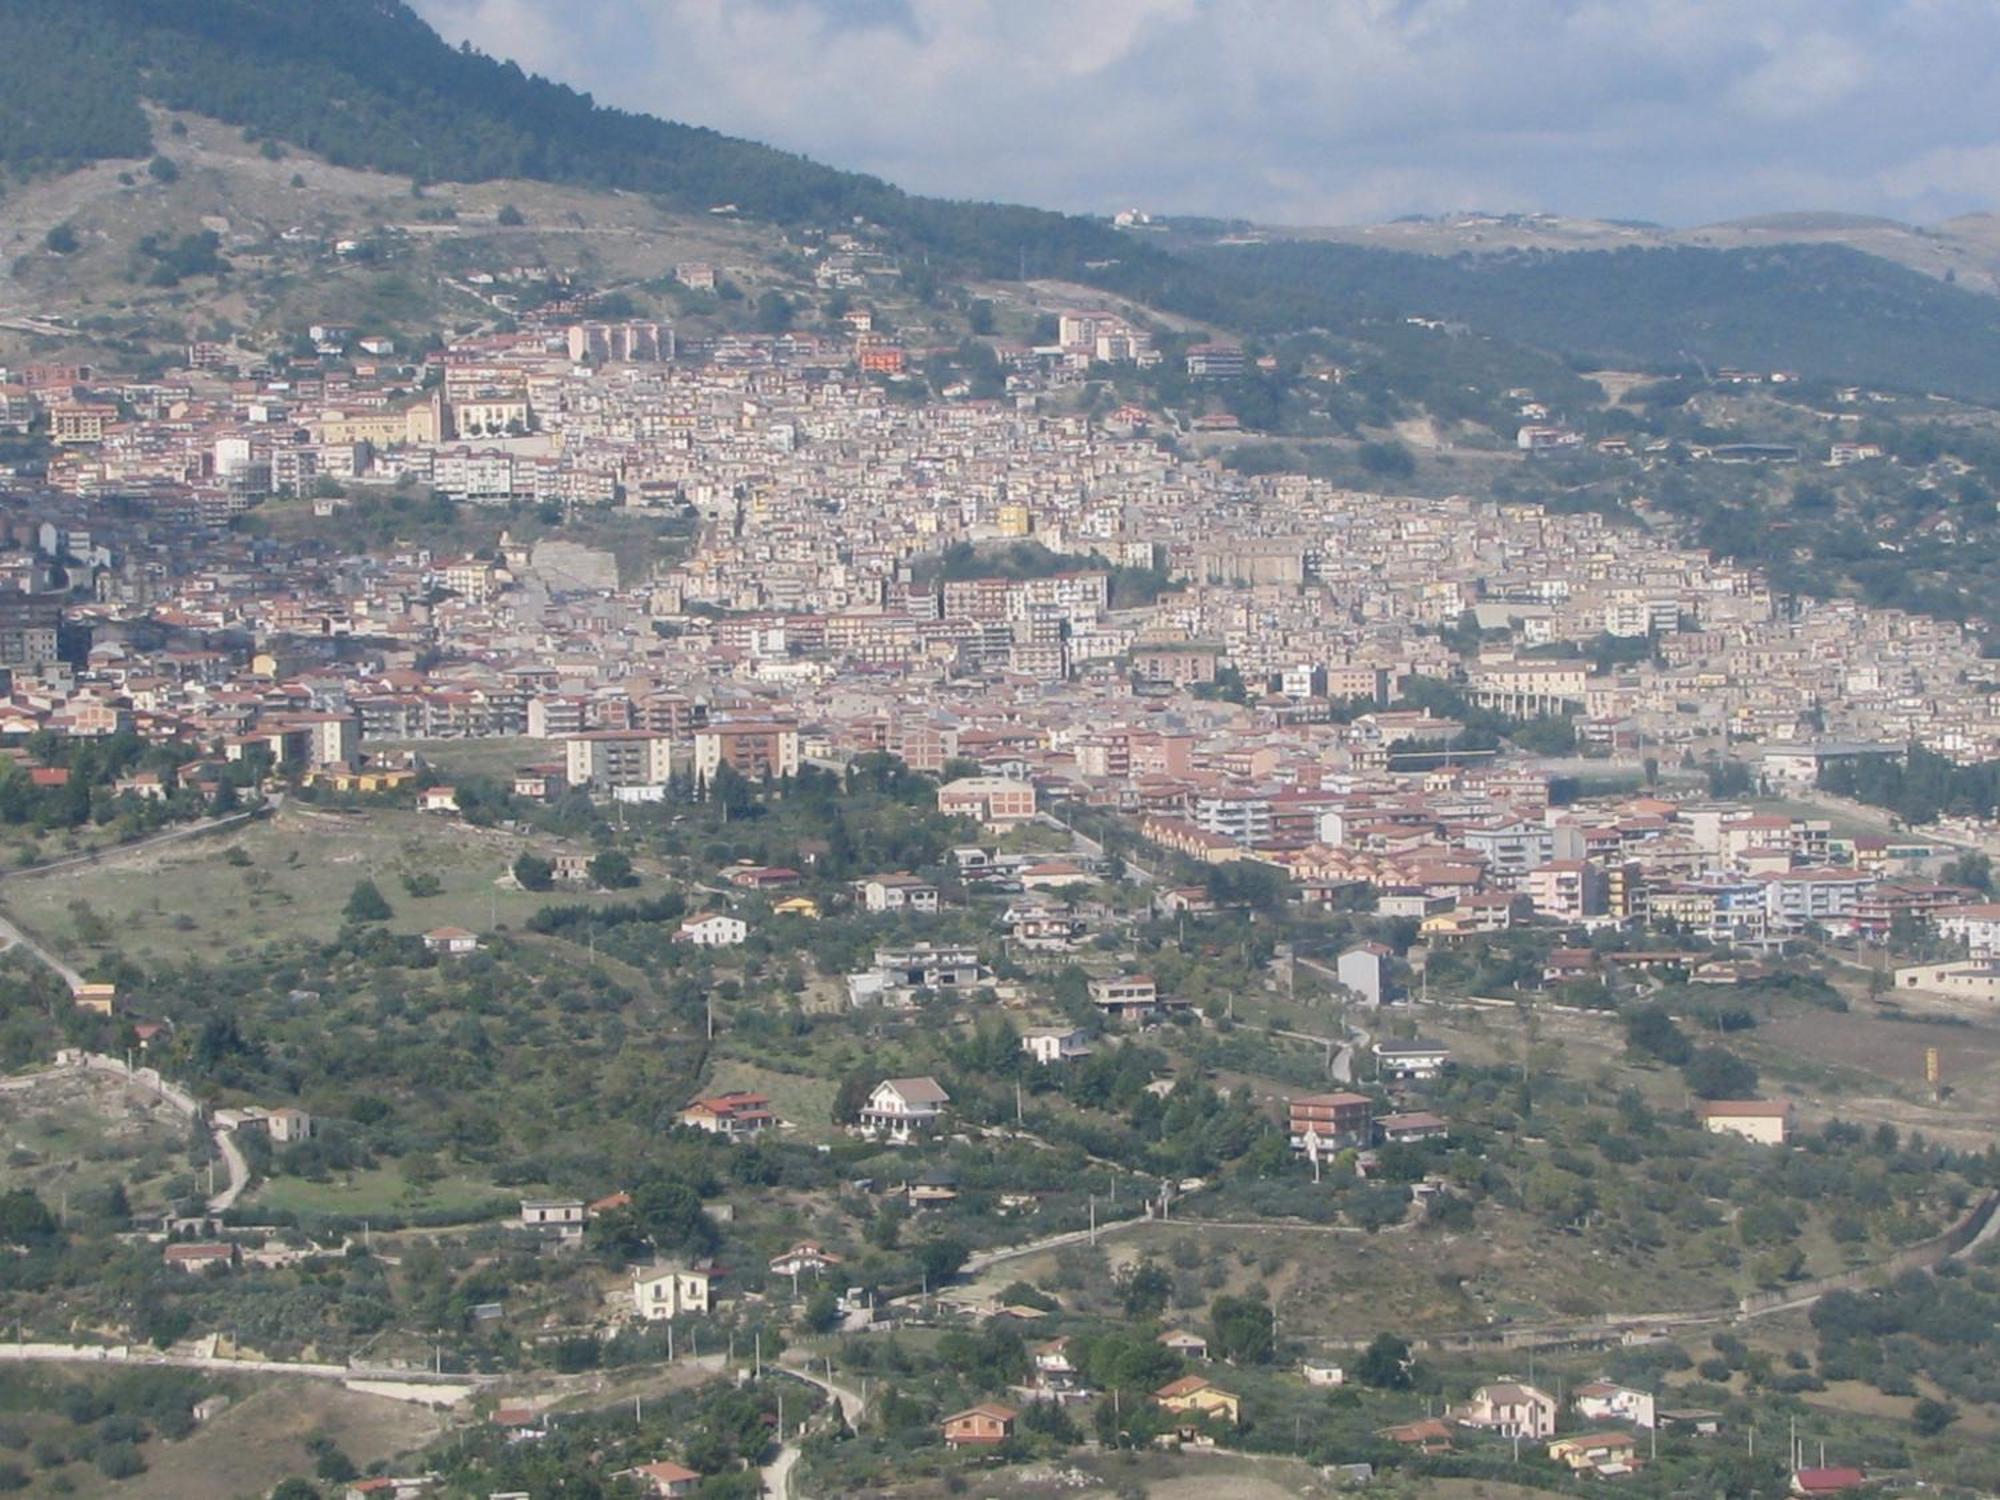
x,y
1054,1044
1978,927
660,1292
1511,1409
1768,1122
1364,969
1413,1059
565,1215
713,930
1601,1401
897,892
451,940
904,1107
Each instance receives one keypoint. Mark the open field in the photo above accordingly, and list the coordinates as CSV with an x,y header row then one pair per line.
x,y
282,878
261,1440
380,1190
1869,1066
493,757
71,1134
802,1102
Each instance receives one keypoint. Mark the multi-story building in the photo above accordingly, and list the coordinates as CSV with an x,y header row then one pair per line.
x,y
608,759
1333,1121
995,801
756,749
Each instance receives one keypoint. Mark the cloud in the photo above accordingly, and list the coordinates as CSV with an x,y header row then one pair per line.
x,y
1316,110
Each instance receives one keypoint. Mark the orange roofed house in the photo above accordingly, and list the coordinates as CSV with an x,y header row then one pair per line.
x,y
733,1115
983,1426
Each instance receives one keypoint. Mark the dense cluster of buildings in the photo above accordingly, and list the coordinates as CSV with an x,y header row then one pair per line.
x,y
1212,655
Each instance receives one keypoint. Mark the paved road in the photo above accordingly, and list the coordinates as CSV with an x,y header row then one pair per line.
x,y
777,1474
178,1098
239,1173
16,938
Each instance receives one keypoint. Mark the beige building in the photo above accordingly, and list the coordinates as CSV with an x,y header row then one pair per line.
x,y
613,758
756,749
1768,1122
993,800
1969,979
666,1291
412,425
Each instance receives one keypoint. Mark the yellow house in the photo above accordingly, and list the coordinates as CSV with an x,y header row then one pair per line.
x,y
342,778
1193,1396
101,998
798,906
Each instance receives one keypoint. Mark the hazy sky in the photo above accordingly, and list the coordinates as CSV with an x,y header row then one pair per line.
x,y
1303,111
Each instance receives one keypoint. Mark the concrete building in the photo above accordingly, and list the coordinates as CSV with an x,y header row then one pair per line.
x,y
612,758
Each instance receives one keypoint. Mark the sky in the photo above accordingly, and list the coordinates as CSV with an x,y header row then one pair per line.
x,y
1319,111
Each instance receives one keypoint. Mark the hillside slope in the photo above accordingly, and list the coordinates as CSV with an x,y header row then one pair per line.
x,y
365,83
1823,311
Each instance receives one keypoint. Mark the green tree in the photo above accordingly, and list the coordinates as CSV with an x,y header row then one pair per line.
x,y
1385,1364
612,871
25,1219
940,1259
1651,1031
1713,1073
533,873
822,1311
1931,1416
1972,869
1243,1330
367,904
1147,1289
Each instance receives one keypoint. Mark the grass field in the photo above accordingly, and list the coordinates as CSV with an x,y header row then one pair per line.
x,y
380,1190
261,1439
804,1103
281,878
69,1134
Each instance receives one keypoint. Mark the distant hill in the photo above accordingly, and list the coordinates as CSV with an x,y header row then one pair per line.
x,y
1821,310
366,83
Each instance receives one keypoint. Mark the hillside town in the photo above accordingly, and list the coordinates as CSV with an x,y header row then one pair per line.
x,y
1222,661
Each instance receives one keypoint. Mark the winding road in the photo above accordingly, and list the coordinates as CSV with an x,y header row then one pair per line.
x,y
777,1474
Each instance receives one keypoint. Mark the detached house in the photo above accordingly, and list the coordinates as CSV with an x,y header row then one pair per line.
x,y
1194,1396
451,941
1600,1401
1765,1121
667,1479
733,1115
1416,1060
660,1292
986,1425
901,1108
564,1216
1510,1409
1054,1044
898,892
1330,1122
1608,1455
1126,997
713,930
